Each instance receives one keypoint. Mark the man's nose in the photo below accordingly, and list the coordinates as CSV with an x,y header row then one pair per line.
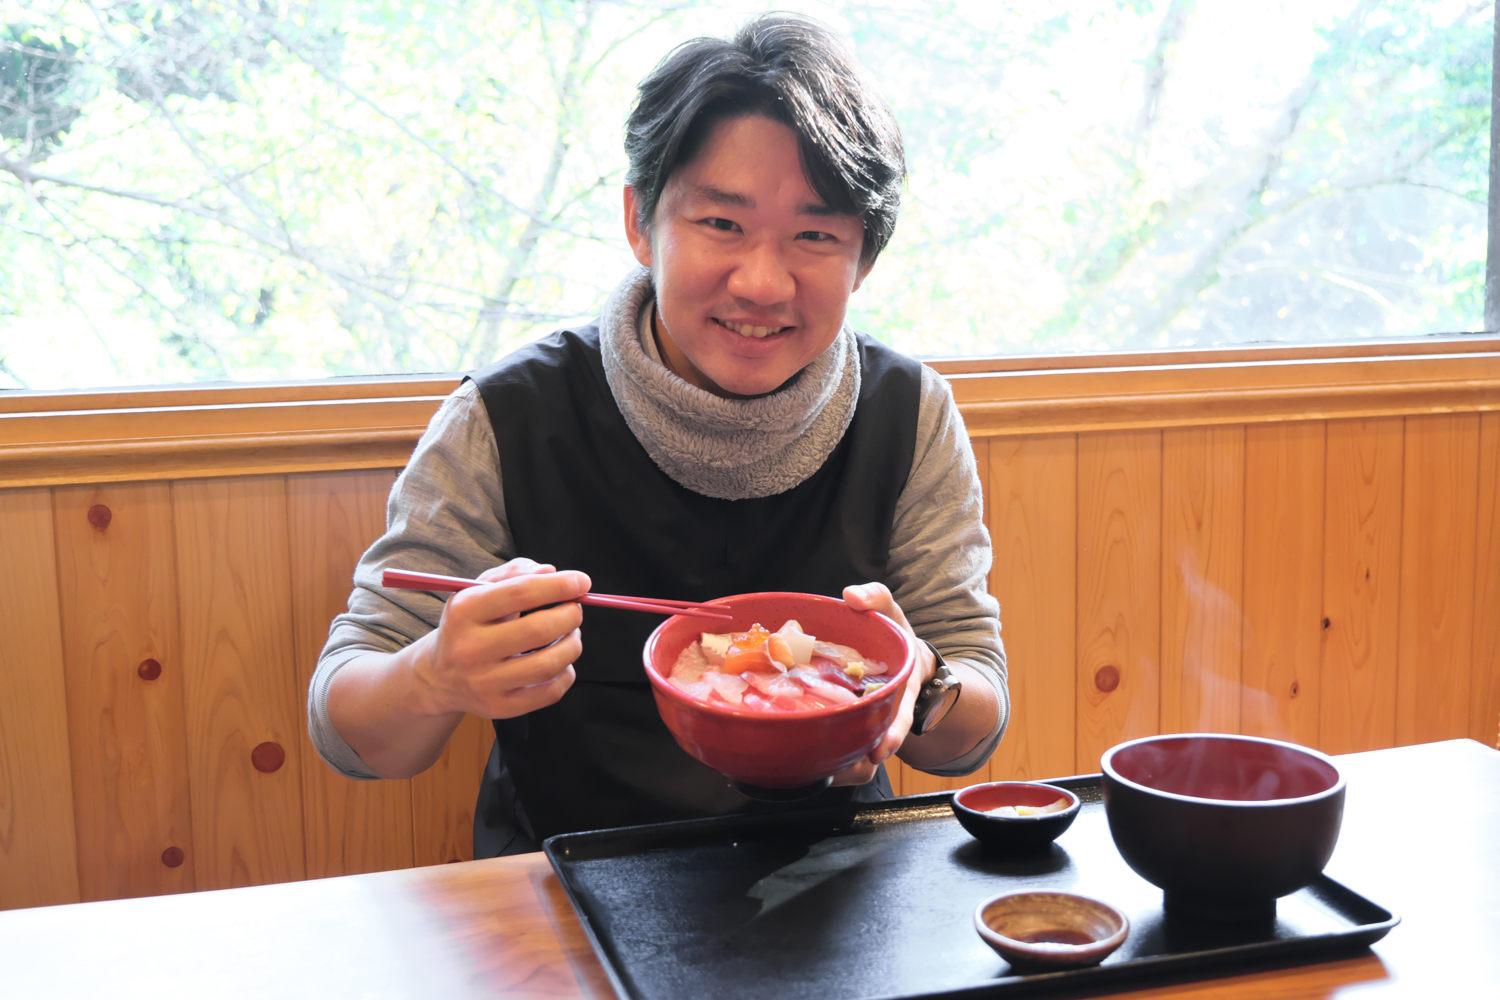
x,y
762,276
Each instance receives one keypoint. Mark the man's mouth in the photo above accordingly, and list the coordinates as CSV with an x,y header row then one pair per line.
x,y
749,330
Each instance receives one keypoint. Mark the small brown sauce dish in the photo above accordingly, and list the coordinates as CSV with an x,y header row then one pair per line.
x,y
1040,930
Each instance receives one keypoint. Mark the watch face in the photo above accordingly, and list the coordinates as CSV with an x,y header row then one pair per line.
x,y
933,712
942,706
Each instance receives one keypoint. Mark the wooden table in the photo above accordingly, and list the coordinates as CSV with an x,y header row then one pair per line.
x,y
1421,835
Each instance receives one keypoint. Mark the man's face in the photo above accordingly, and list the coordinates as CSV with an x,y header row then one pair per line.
x,y
753,272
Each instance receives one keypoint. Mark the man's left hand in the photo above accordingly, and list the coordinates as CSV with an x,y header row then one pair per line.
x,y
877,597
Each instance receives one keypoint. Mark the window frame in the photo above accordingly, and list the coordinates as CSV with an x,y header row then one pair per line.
x,y
198,431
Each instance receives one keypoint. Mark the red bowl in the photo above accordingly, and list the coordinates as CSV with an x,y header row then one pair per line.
x,y
782,749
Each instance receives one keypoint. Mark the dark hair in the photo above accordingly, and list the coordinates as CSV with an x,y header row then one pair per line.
x,y
792,70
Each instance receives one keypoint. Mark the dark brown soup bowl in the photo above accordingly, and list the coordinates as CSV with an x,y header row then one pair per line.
x,y
1225,825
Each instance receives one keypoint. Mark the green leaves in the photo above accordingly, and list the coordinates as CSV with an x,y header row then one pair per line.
x,y
36,87
248,189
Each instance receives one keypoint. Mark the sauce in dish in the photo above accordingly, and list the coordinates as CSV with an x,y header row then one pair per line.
x,y
1056,935
782,671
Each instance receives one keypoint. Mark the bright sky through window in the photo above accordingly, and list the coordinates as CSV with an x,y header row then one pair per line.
x,y
221,190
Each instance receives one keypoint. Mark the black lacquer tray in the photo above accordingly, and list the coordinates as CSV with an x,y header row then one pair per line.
x,y
877,901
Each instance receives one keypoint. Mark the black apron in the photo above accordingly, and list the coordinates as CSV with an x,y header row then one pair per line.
x,y
582,493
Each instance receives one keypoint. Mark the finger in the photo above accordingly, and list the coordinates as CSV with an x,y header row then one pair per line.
x,y
495,601
900,727
518,566
857,774
493,642
491,689
515,567
875,597
889,743
537,696
866,596
531,668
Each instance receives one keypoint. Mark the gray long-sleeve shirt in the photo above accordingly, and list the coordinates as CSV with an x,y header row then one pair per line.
x,y
446,514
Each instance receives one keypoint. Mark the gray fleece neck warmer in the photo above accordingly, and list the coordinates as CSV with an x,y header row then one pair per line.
x,y
731,449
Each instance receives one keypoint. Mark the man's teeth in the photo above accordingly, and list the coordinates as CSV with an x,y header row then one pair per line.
x,y
746,330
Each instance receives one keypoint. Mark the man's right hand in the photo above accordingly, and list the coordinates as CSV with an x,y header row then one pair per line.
x,y
488,657
493,653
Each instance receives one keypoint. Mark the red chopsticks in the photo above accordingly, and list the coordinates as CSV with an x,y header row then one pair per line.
x,y
400,579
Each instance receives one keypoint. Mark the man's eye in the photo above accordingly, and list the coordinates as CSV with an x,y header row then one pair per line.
x,y
815,236
723,225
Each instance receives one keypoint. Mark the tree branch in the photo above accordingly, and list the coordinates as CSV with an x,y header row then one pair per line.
x,y
1173,26
8,370
62,280
144,289
482,348
448,161
1203,271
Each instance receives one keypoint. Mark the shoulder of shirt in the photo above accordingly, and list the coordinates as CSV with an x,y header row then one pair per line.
x,y
558,350
460,405
459,430
936,411
467,394
935,388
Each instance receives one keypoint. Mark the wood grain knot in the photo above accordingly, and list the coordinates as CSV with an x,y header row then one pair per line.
x,y
1107,678
149,670
100,516
172,857
268,757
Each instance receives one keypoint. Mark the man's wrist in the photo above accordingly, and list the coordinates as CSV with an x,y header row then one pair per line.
x,y
924,665
415,661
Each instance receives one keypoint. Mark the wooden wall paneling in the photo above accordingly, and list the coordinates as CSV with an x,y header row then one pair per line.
x,y
1439,513
1033,496
443,796
1119,590
351,826
1202,578
981,449
896,770
128,731
1484,699
1361,585
1283,638
245,712
914,782
38,853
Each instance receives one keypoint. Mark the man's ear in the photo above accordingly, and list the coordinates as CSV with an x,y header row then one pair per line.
x,y
640,240
861,275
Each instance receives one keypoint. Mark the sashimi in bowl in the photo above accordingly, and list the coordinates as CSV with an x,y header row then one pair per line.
x,y
786,670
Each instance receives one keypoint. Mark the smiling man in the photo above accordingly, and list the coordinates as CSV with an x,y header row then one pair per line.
x,y
754,270
719,430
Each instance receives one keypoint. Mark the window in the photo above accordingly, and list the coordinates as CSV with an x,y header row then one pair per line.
x,y
217,190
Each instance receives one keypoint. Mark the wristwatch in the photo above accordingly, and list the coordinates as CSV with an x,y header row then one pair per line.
x,y
936,698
